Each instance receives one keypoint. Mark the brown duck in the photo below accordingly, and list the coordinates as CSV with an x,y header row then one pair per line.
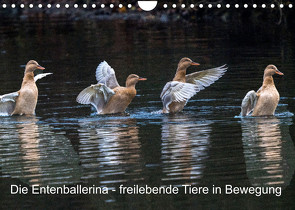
x,y
176,93
265,101
24,101
107,96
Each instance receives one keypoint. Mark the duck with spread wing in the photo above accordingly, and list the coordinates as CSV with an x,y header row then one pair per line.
x,y
176,93
24,101
265,101
107,96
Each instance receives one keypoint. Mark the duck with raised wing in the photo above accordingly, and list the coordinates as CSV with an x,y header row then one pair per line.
x,y
265,101
107,96
176,93
23,101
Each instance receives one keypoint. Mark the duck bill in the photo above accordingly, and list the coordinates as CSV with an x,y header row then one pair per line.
x,y
142,79
279,73
195,64
40,67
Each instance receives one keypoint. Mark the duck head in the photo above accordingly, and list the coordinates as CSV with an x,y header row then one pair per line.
x,y
32,66
271,70
184,63
132,79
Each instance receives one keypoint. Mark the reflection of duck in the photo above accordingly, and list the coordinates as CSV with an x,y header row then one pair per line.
x,y
265,101
28,134
175,94
32,152
23,101
269,151
184,147
111,150
107,96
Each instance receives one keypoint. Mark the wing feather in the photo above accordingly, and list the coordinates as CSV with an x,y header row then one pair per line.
x,y
105,74
248,103
7,103
177,92
207,77
40,76
97,95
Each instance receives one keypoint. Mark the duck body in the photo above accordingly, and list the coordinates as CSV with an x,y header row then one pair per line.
x,y
265,101
107,96
268,99
176,93
28,96
24,101
177,106
120,101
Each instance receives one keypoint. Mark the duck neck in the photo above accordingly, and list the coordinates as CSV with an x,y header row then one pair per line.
x,y
28,78
130,84
130,90
268,80
180,75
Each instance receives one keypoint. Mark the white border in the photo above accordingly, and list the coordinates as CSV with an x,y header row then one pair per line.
x,y
129,6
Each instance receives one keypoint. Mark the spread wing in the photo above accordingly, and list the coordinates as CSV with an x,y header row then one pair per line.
x,y
106,75
40,76
207,77
177,92
97,95
248,103
7,103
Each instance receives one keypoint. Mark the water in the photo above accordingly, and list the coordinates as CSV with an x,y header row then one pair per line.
x,y
207,144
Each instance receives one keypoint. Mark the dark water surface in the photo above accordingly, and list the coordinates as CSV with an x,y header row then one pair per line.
x,y
207,144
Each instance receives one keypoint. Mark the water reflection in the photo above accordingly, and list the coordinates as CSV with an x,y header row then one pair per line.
x,y
184,148
28,135
269,151
110,150
33,153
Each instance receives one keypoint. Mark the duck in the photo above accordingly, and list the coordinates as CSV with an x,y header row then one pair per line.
x,y
107,96
24,101
265,101
177,92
